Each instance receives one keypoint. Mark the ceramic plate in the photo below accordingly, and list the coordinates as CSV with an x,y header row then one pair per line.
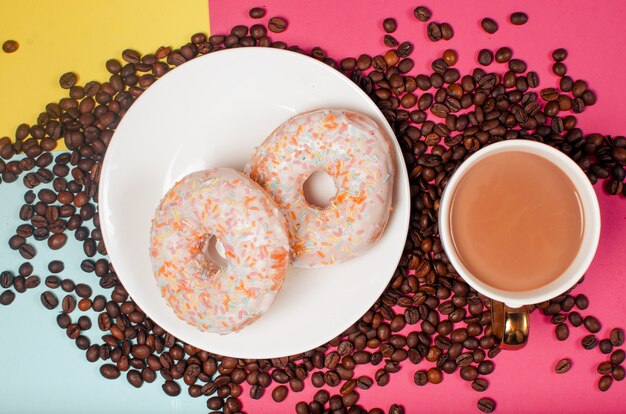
x,y
213,111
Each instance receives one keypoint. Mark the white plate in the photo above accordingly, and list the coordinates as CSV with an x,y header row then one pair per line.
x,y
213,111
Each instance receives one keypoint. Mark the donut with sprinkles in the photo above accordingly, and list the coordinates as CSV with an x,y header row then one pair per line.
x,y
227,205
357,154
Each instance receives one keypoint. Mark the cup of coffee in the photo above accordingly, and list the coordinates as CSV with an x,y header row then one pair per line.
x,y
520,223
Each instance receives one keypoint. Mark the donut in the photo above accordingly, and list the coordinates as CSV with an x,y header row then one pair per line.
x,y
226,204
357,154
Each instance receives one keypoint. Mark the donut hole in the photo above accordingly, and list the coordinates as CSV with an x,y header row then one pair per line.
x,y
215,253
319,189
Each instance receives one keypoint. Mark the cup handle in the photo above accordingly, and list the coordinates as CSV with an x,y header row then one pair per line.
x,y
510,325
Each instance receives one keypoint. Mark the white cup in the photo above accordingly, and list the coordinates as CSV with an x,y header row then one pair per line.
x,y
591,227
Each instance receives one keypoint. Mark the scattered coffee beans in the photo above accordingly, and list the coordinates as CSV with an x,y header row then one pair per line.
x,y
489,25
10,46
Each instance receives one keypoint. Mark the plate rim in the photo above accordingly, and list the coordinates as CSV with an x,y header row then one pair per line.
x,y
401,170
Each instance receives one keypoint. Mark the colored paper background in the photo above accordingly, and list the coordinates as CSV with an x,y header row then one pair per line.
x,y
40,370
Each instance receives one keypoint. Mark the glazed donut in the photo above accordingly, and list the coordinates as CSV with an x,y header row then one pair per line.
x,y
359,157
224,203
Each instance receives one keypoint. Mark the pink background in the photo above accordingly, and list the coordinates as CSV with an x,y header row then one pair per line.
x,y
593,33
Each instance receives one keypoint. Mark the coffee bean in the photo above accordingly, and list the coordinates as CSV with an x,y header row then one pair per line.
x,y
447,32
56,266
390,25
469,373
605,383
563,366
83,290
617,337
277,24
575,319
19,284
517,66
589,342
134,378
422,13
67,80
618,357
67,285
559,69
49,300
16,241
485,57
68,304
559,54
480,385
581,302
518,18
434,376
109,371
7,297
562,332
6,279
257,12
489,25
57,241
390,41
10,46
434,31
279,393
27,251
604,368
486,405
605,346
592,324
503,55
618,373
171,388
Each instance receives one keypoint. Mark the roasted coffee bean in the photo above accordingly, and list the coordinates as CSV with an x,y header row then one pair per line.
x,y
605,346
10,46
390,25
19,284
592,324
486,405
589,342
605,383
6,279
67,80
422,13
617,337
581,302
109,371
485,57
489,25
480,385
434,31
49,300
68,304
57,241
618,357
171,388
618,373
447,32
27,251
83,290
518,18
434,376
575,319
277,24
280,393
559,54
562,332
563,366
257,12
56,266
7,297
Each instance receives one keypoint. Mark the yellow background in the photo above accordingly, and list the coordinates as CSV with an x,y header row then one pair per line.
x,y
58,36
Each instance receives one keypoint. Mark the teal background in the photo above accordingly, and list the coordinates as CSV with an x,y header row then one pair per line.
x,y
41,369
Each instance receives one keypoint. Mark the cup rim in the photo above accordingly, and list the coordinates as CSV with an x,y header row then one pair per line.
x,y
591,233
